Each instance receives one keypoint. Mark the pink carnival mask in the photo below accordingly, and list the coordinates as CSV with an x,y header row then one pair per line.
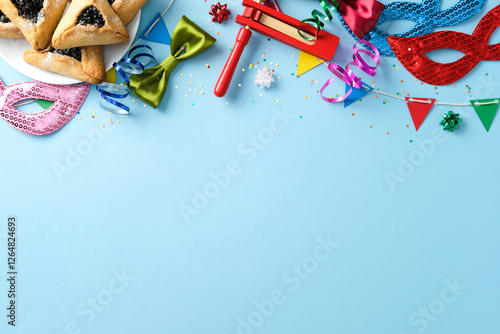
x,y
67,101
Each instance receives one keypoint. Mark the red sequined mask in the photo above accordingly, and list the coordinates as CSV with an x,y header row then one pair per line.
x,y
411,51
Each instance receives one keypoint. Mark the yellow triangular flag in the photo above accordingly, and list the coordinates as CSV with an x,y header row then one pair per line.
x,y
307,62
111,75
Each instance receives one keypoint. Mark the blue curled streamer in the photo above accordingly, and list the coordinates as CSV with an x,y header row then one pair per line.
x,y
128,65
426,15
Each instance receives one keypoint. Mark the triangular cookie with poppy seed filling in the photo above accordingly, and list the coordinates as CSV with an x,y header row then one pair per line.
x,y
82,63
126,9
89,22
37,19
7,28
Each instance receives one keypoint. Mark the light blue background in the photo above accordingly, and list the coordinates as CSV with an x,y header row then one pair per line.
x,y
323,175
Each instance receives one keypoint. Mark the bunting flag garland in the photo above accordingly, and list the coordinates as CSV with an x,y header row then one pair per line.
x,y
486,112
272,4
156,31
307,62
152,26
44,104
420,107
419,110
111,75
356,94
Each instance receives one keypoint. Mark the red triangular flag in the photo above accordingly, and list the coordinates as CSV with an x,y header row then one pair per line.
x,y
360,16
273,4
419,110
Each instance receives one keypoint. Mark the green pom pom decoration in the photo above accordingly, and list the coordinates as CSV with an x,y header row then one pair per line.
x,y
450,121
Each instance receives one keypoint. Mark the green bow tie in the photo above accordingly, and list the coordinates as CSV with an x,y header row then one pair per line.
x,y
188,40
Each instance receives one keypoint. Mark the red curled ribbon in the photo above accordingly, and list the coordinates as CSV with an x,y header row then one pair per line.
x,y
348,75
411,51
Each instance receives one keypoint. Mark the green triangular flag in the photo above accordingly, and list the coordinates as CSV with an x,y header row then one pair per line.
x,y
485,112
44,104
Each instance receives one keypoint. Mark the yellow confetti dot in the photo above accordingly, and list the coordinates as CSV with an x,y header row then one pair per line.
x,y
201,85
371,126
196,90
103,126
176,86
186,95
277,101
239,85
182,74
397,68
227,103
117,121
202,92
190,82
243,70
279,78
305,97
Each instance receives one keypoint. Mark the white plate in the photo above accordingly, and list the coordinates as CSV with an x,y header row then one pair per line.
x,y
12,50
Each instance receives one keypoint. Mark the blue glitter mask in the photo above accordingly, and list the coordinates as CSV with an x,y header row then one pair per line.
x,y
425,15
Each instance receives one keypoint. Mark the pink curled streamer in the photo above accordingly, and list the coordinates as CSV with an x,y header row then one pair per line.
x,y
348,75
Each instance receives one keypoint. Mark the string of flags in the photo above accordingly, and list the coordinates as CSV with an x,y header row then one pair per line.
x,y
418,107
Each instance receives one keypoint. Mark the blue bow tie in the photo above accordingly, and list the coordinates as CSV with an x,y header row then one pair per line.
x,y
426,16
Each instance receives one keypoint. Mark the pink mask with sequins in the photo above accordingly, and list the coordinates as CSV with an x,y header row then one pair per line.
x,y
67,101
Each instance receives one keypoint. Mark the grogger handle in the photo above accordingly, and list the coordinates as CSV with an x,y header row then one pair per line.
x,y
232,62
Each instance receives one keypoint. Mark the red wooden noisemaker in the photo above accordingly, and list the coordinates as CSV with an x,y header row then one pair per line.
x,y
276,25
